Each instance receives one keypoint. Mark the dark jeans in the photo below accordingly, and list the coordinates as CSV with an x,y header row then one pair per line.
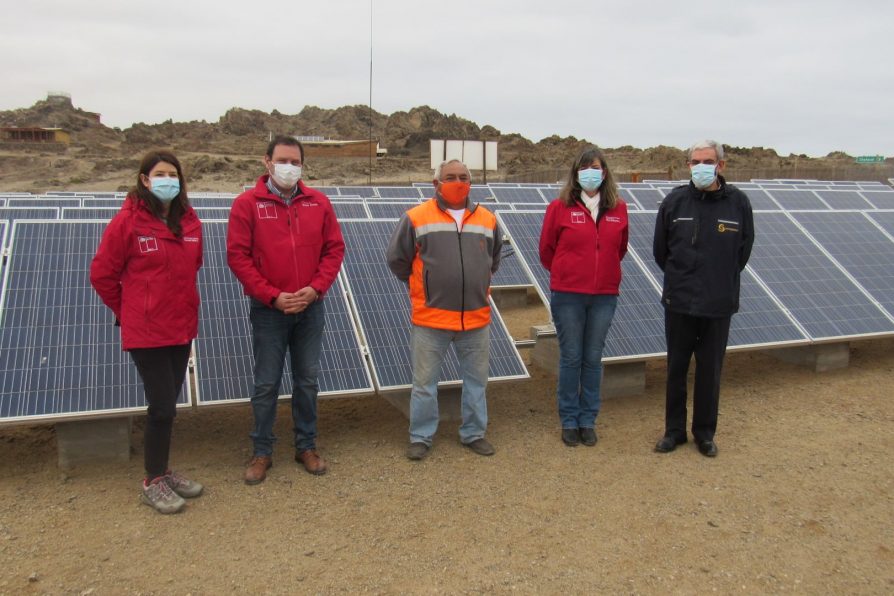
x,y
162,371
274,333
706,338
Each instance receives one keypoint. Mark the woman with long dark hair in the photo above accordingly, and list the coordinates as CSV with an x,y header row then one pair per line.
x,y
582,242
145,270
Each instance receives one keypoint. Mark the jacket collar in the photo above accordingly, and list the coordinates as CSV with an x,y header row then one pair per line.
x,y
714,195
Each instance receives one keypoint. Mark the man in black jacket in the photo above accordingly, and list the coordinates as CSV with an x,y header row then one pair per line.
x,y
703,238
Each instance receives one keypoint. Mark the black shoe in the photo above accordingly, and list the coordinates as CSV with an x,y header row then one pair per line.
x,y
588,436
707,448
571,437
417,451
668,444
481,447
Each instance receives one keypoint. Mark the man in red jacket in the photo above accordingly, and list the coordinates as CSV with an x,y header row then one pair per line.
x,y
285,247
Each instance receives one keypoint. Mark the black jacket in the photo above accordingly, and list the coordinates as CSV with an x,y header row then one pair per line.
x,y
702,242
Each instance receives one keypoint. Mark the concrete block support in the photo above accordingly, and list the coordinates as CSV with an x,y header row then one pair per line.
x,y
449,403
819,357
83,441
618,379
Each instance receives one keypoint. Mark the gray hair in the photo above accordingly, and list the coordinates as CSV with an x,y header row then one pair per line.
x,y
707,144
450,161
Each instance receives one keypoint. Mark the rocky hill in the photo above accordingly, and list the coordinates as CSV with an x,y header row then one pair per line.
x,y
225,154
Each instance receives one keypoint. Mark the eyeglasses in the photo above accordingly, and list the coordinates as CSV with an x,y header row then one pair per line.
x,y
707,162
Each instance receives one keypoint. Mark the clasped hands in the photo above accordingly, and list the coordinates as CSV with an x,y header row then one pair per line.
x,y
291,303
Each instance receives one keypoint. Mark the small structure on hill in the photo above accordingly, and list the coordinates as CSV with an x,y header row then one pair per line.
x,y
35,135
321,147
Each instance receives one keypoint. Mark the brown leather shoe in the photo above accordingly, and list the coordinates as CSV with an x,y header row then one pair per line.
x,y
311,461
257,468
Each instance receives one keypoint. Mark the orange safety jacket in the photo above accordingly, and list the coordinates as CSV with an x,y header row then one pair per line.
x,y
448,269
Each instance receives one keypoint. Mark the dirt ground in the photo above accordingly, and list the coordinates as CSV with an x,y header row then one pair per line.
x,y
800,499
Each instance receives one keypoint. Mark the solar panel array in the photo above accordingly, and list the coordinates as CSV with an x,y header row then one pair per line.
x,y
60,352
821,270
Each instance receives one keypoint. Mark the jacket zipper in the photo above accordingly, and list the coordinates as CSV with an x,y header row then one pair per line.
x,y
292,240
462,271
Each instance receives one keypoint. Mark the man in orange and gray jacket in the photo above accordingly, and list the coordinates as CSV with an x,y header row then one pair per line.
x,y
446,250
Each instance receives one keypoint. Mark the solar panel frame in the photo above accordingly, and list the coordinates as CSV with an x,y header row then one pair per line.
x,y
224,360
382,306
60,353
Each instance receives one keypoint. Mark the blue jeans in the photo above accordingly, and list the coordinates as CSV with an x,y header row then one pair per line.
x,y
273,332
582,322
429,348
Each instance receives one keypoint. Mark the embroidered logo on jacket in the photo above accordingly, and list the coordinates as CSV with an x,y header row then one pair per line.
x,y
613,218
724,225
266,210
148,244
577,217
190,238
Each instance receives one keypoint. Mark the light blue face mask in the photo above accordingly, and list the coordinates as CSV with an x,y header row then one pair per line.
x,y
589,179
703,175
165,189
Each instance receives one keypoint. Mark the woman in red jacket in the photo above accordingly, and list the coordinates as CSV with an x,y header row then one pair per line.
x,y
582,242
145,271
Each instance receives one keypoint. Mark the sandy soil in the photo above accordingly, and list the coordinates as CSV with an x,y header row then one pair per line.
x,y
800,499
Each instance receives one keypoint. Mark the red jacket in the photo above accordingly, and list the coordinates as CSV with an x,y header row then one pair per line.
x,y
580,255
274,248
147,276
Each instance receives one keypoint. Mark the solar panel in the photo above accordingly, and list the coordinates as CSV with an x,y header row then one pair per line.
x,y
224,359
398,192
859,246
885,219
43,202
648,198
205,213
844,199
216,202
512,272
2,202
103,213
760,320
797,199
383,308
638,327
476,193
761,200
350,210
359,191
879,199
820,297
390,210
517,195
102,202
60,353
11,214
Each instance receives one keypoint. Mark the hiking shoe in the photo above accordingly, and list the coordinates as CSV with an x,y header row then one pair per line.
x,y
183,486
257,469
158,495
417,451
481,447
312,461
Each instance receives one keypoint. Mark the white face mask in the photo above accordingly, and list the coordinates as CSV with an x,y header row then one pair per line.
x,y
286,175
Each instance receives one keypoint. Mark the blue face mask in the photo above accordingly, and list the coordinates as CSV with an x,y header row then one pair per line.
x,y
703,175
165,189
589,179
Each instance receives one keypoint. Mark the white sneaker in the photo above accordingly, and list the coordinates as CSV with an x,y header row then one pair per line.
x,y
158,495
183,486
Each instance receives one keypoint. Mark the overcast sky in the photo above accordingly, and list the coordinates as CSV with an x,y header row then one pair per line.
x,y
798,76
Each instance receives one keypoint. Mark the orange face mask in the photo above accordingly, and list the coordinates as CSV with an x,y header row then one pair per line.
x,y
455,193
